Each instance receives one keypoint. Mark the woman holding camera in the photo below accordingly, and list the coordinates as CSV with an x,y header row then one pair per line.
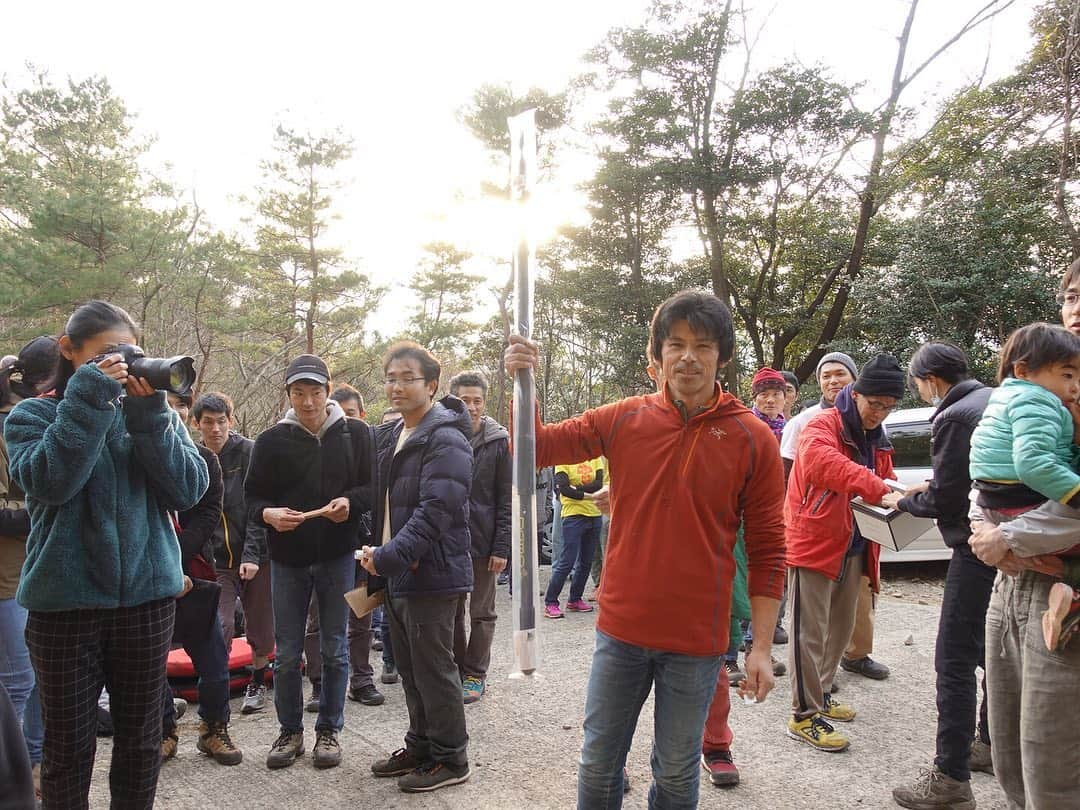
x,y
101,471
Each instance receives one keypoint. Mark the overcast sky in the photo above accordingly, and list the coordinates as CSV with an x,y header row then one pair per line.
x,y
210,81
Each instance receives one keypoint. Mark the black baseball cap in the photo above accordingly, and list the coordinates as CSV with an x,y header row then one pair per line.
x,y
307,367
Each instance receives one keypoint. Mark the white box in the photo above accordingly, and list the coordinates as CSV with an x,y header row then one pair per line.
x,y
890,528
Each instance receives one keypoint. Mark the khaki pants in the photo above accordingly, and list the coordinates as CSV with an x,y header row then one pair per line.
x,y
473,655
1033,698
862,636
822,617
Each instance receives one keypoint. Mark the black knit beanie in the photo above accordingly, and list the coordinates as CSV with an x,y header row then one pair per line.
x,y
883,377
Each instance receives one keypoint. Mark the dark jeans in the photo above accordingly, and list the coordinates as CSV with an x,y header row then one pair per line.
x,y
423,631
580,535
384,633
960,649
207,653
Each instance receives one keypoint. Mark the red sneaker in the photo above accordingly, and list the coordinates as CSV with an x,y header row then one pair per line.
x,y
721,768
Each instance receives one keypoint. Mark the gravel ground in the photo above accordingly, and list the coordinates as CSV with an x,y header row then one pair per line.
x,y
525,735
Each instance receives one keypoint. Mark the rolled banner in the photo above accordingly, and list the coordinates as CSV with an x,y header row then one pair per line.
x,y
524,555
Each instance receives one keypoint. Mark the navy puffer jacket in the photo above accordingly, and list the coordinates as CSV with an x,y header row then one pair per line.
x,y
429,483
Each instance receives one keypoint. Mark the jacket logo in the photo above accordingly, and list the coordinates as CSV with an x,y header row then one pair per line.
x,y
717,433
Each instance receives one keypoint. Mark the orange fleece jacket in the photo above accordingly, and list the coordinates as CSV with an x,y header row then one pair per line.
x,y
679,490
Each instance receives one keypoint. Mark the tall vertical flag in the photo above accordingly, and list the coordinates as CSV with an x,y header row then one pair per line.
x,y
524,557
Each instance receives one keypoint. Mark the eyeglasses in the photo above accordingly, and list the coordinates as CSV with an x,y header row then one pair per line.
x,y
1067,299
879,407
392,381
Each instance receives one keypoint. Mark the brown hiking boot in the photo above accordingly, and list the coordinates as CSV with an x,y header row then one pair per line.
x,y
214,741
169,744
934,790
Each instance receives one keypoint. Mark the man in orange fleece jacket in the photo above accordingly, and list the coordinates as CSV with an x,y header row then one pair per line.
x,y
688,463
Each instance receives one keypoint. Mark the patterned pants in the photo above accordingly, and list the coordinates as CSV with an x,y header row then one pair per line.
x,y
75,653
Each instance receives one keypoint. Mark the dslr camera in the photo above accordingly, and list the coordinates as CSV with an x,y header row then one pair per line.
x,y
173,374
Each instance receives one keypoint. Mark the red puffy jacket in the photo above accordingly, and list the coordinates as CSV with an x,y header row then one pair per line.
x,y
817,511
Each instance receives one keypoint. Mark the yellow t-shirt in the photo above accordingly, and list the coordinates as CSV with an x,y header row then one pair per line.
x,y
580,475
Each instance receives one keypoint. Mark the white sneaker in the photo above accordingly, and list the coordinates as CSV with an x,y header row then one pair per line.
x,y
254,699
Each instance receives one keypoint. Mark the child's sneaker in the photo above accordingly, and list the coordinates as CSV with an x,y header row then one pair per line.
x,y
579,606
1062,602
552,611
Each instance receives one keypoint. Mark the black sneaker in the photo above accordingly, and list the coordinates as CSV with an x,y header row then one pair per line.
x,y
432,776
327,750
368,695
286,748
389,674
398,763
779,635
865,666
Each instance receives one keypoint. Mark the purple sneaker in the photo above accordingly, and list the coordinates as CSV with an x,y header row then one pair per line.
x,y
579,606
552,611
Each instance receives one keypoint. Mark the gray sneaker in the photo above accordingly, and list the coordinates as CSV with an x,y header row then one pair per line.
x,y
934,790
432,776
312,704
327,751
980,757
254,699
286,748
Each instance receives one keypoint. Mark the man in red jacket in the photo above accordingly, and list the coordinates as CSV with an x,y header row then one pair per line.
x,y
842,452
687,464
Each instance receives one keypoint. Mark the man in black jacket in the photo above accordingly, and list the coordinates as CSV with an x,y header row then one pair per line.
x,y
196,627
489,527
239,545
425,473
309,483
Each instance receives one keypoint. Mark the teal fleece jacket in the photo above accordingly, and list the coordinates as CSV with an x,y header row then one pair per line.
x,y
1026,436
99,474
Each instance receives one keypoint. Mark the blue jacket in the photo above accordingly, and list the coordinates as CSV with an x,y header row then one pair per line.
x,y
1026,437
100,474
429,483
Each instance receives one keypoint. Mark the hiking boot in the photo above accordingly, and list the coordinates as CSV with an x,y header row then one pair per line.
x,y
552,611
180,707
735,675
214,741
934,790
327,750
286,748
312,704
579,606
865,666
980,757
836,711
721,768
398,763
254,698
472,689
779,635
432,776
169,744
389,674
816,731
368,695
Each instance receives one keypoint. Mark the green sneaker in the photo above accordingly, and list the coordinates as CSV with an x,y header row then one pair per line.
x,y
816,731
472,689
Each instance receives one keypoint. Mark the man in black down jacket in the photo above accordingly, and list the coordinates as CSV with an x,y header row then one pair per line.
x,y
940,372
489,526
425,473
312,461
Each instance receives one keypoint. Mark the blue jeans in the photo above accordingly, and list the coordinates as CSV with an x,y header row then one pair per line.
x,y
17,675
291,588
580,535
621,677
207,653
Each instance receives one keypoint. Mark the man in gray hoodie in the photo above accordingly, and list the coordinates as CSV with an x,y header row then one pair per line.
x,y
489,525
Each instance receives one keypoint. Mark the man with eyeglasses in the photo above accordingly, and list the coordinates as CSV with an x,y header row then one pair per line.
x,y
843,452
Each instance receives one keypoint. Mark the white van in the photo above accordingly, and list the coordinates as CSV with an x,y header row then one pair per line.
x,y
909,432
